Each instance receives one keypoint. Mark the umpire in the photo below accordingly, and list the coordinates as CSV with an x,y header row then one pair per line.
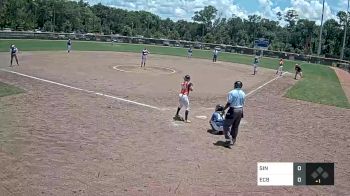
x,y
235,103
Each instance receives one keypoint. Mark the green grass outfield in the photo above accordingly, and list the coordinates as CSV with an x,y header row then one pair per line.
x,y
6,90
320,84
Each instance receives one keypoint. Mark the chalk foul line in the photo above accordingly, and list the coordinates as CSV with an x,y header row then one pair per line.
x,y
122,99
84,90
261,86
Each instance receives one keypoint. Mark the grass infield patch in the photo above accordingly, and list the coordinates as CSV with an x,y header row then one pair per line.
x,y
320,83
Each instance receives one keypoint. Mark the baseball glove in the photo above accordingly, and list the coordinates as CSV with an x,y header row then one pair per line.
x,y
190,85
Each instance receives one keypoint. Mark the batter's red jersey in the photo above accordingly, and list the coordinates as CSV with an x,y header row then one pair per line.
x,y
185,88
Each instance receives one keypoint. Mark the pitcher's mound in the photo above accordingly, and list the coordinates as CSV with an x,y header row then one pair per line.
x,y
148,69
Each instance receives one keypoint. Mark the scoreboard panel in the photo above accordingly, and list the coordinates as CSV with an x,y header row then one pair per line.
x,y
294,174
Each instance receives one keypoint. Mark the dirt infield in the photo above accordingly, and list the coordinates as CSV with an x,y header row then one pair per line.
x,y
56,140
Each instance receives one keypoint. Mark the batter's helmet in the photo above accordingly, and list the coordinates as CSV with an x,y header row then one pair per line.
x,y
187,77
238,84
219,108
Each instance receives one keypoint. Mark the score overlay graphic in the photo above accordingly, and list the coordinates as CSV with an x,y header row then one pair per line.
x,y
294,174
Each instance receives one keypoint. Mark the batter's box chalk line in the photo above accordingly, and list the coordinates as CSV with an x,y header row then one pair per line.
x,y
202,117
177,123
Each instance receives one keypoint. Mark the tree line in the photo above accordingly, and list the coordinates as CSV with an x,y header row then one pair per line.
x,y
299,35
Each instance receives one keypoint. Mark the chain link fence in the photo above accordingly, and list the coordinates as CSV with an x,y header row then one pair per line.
x,y
344,64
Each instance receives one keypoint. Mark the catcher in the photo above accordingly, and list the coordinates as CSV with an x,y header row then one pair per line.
x,y
186,87
217,120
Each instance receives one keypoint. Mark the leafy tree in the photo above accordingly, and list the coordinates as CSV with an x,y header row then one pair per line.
x,y
299,35
291,17
205,17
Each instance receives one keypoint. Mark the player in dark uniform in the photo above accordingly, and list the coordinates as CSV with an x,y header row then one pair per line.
x,y
215,55
255,65
14,52
69,45
189,52
298,71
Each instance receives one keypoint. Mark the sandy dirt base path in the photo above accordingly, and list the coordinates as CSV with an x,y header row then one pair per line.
x,y
344,78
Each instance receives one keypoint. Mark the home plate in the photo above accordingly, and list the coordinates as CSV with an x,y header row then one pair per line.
x,y
202,117
243,122
176,124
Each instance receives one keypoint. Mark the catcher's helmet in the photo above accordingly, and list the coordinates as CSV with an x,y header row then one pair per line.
x,y
219,108
187,77
238,84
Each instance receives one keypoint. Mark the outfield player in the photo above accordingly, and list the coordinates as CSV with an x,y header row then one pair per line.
x,y
189,52
186,87
13,51
69,45
217,120
144,57
215,54
298,71
235,103
255,65
280,67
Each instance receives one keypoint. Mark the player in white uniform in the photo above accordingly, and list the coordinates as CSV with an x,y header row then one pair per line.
x,y
186,87
144,55
280,68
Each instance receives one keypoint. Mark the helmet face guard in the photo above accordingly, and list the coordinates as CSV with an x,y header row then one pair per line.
x,y
219,108
238,84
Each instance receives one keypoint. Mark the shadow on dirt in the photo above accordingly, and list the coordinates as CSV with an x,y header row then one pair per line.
x,y
222,144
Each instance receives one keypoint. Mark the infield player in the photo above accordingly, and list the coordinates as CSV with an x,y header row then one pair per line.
x,y
144,55
13,51
298,71
255,65
235,103
217,120
280,67
189,52
69,45
215,54
186,87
